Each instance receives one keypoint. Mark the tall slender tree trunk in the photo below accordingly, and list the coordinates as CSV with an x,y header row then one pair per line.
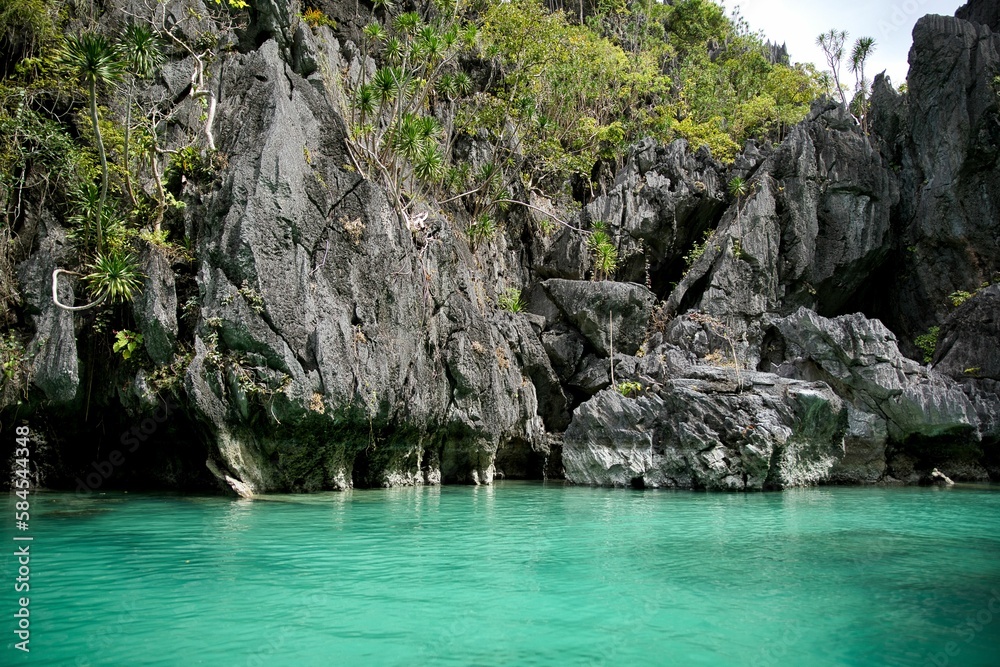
x,y
104,164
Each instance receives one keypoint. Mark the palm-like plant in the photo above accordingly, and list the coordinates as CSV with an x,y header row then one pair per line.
x,y
115,276
140,50
95,60
832,43
386,83
141,54
863,47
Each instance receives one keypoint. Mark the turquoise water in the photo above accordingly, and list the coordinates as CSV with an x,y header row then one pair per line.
x,y
516,574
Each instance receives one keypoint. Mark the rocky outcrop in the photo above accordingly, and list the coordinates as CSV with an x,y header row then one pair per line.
x,y
968,351
981,11
55,366
321,339
155,307
918,409
809,231
608,314
944,144
662,201
719,429
308,372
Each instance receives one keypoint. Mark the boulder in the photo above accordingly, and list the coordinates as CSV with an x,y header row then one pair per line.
x,y
608,314
860,359
721,431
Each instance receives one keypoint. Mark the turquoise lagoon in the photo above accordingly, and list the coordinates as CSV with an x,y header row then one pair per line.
x,y
520,573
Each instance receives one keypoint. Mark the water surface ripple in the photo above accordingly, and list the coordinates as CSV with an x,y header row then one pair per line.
x,y
516,574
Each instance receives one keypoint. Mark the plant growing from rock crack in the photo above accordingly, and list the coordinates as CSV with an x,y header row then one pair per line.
x,y
863,47
484,228
141,54
629,389
115,276
832,43
393,136
510,300
927,343
94,60
604,254
126,342
738,188
698,249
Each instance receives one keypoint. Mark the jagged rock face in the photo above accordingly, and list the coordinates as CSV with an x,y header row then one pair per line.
x,y
55,367
610,315
721,430
968,351
969,340
409,384
337,344
814,224
981,11
928,418
155,308
946,144
662,201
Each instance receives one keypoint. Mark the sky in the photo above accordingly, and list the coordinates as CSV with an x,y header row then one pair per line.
x,y
797,23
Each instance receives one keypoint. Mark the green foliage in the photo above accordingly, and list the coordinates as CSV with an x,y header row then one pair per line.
x,y
483,229
92,58
315,18
698,249
738,188
510,300
115,275
191,164
959,297
140,50
629,389
16,367
126,342
927,343
26,27
603,253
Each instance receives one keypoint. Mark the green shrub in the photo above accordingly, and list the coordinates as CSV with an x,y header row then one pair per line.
x,y
315,18
629,389
115,276
126,342
698,249
604,254
927,343
510,300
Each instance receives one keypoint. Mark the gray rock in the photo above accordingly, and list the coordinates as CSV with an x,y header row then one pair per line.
x,y
421,383
813,226
565,349
606,313
981,11
863,461
945,146
969,339
859,358
662,201
708,433
594,374
55,367
155,309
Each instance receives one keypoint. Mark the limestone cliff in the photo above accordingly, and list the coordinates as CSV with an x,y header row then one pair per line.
x,y
315,338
